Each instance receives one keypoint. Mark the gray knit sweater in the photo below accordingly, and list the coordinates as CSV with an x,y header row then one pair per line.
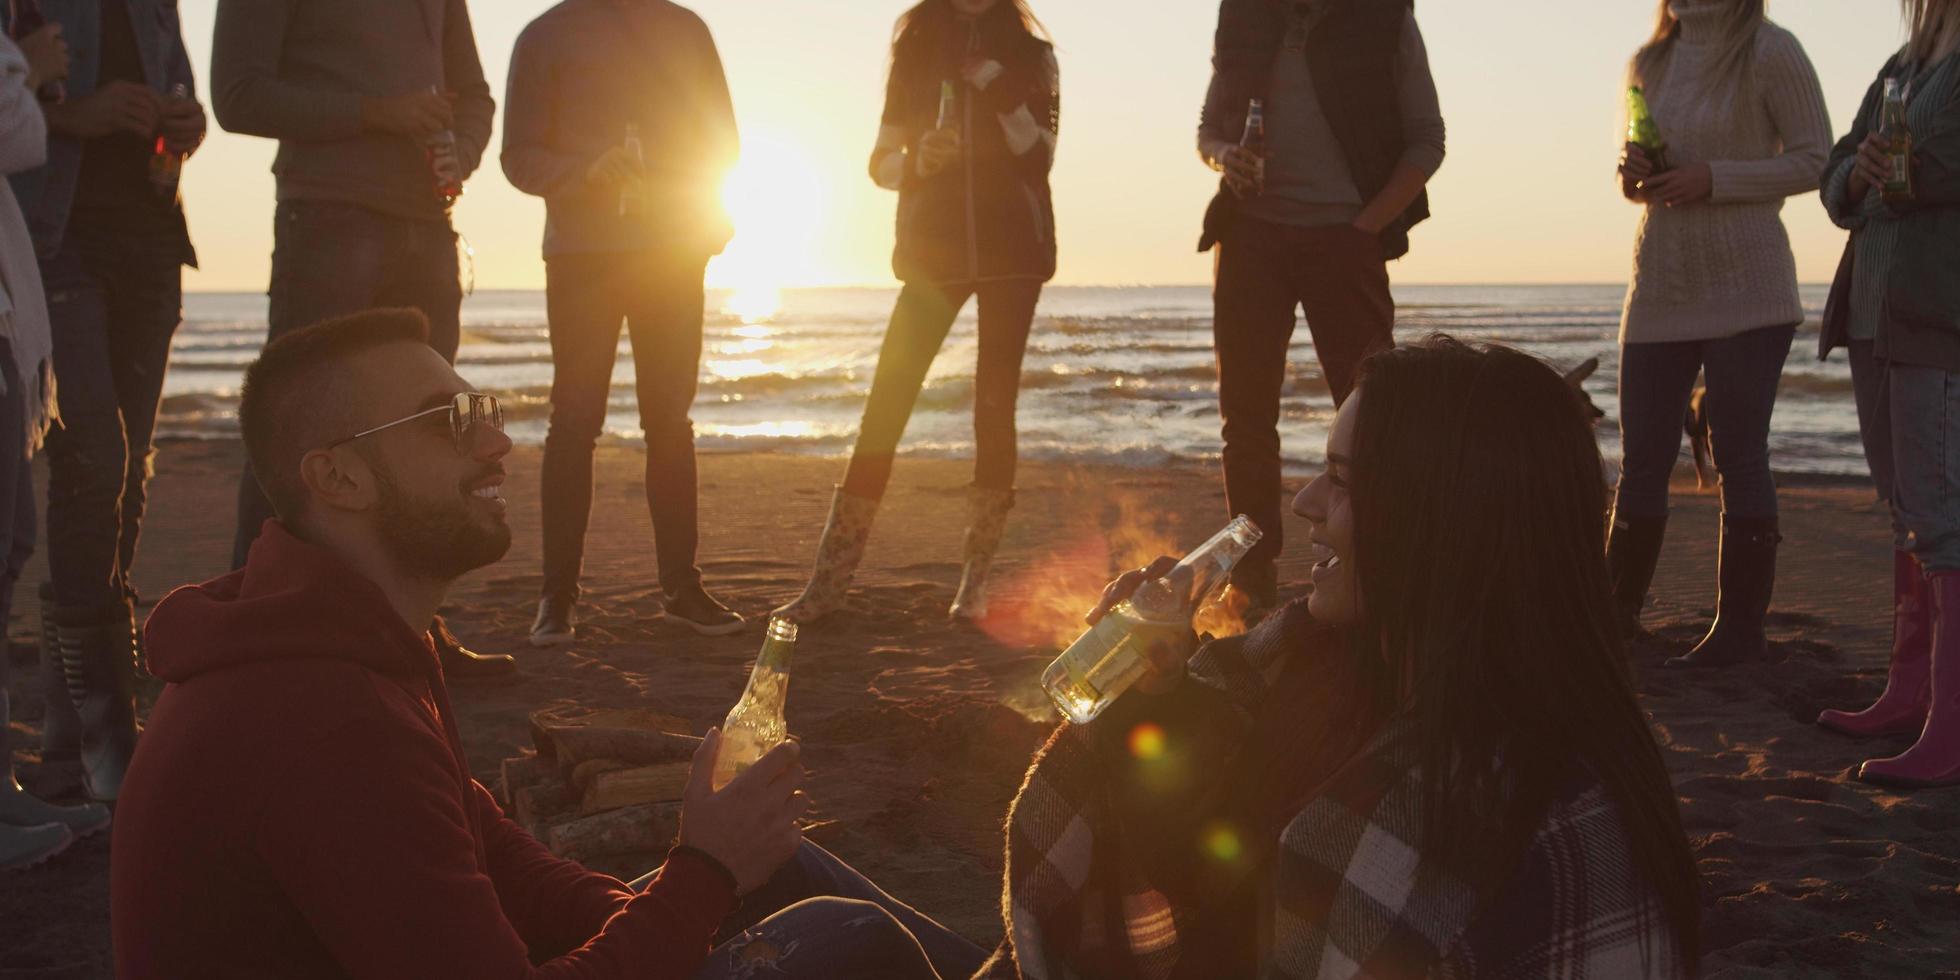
x,y
1721,267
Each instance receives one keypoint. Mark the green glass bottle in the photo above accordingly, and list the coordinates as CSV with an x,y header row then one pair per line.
x,y
1642,132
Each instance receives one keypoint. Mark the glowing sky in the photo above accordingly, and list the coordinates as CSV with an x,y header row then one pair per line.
x,y
1530,90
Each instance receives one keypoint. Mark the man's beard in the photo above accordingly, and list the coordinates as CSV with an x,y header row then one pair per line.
x,y
435,539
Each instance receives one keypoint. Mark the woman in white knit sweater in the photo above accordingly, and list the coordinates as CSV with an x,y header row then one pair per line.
x,y
1714,292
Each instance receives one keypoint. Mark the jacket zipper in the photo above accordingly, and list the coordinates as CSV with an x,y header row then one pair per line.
x,y
972,207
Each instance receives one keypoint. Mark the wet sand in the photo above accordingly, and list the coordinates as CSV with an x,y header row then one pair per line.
x,y
917,732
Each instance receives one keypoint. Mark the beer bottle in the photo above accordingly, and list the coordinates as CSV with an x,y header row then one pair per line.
x,y
632,194
1643,133
1255,128
1253,141
755,725
1893,127
28,18
947,107
445,163
167,165
1102,663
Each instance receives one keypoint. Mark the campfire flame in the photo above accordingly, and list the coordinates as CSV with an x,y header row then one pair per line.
x,y
1043,605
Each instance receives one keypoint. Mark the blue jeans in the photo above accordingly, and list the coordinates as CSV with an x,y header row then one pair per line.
x,y
331,260
1656,382
818,918
115,298
1909,417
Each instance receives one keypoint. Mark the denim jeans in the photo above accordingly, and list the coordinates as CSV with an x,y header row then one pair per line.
x,y
1909,418
920,321
1656,383
1265,274
331,260
659,296
819,919
115,299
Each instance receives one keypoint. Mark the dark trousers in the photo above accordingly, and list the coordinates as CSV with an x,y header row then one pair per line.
x,y
659,296
818,918
16,523
1656,382
331,260
1263,273
115,298
919,325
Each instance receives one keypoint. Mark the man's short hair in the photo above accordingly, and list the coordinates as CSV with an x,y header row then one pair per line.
x,y
298,397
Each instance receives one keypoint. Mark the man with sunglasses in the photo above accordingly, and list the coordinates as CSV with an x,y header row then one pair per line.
x,y
302,804
382,113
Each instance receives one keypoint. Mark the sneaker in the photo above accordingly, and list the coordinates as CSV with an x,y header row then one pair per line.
x,y
25,847
553,627
695,609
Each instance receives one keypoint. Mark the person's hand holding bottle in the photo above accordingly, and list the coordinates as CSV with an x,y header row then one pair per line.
x,y
46,52
937,151
750,825
1166,655
181,123
1244,170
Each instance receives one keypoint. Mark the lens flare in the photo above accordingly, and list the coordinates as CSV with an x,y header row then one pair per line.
x,y
1221,841
1147,742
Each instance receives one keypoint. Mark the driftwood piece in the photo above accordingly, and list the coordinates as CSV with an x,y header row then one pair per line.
x,y
538,806
631,736
617,788
521,772
646,827
582,774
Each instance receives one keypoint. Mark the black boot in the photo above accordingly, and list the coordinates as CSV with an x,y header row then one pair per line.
x,y
98,656
1747,577
61,728
1633,548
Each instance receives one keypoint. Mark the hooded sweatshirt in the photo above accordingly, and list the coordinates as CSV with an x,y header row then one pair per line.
x,y
300,806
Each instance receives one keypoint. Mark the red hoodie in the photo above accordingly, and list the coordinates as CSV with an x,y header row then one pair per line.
x,y
300,806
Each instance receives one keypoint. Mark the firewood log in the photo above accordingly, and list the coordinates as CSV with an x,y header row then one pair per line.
x,y
646,827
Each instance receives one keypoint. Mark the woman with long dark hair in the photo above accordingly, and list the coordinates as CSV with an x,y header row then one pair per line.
x,y
1896,306
1714,293
972,111
1433,765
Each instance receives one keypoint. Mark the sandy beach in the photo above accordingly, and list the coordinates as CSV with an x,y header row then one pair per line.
x,y
917,732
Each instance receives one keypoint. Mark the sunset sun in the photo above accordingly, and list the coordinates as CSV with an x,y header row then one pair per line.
x,y
777,203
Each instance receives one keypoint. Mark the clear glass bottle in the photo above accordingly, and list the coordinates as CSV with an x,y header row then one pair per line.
x,y
1898,144
166,164
632,193
1103,662
445,163
755,725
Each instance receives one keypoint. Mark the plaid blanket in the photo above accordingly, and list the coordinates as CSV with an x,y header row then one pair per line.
x,y
1345,886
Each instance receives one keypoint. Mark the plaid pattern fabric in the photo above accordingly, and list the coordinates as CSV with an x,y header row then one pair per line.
x,y
1349,893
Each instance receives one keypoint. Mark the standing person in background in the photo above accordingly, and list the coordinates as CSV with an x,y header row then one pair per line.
x,y
972,114
112,243
1714,292
1353,133
31,831
1896,306
381,113
628,151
